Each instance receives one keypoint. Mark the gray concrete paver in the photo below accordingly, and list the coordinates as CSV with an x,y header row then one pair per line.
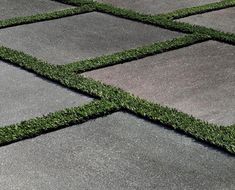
x,y
119,151
25,96
156,6
83,36
198,80
222,20
15,8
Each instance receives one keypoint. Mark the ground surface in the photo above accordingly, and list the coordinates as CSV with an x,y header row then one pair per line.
x,y
71,64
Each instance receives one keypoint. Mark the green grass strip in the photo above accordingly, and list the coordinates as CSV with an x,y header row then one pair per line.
x,y
223,137
163,20
134,54
113,98
220,136
44,16
55,121
169,24
195,29
180,13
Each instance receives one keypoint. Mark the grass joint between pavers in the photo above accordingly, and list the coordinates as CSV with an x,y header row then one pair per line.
x,y
113,99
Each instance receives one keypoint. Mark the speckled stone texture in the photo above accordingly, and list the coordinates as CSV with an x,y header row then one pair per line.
x,y
16,8
198,80
25,96
115,152
222,20
80,37
156,6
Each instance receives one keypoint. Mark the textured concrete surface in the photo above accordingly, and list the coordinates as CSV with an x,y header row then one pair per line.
x,y
199,80
15,8
119,151
79,37
220,20
25,96
156,6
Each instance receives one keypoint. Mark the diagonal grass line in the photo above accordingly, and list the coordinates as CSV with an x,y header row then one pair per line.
x,y
188,28
134,54
55,121
219,136
164,20
44,16
222,137
169,24
180,13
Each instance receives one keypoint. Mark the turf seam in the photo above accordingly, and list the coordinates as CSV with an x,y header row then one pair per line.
x,y
44,16
114,99
135,54
222,137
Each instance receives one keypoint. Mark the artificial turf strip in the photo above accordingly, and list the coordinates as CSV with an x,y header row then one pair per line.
x,y
55,121
44,16
199,9
169,24
223,137
134,54
162,19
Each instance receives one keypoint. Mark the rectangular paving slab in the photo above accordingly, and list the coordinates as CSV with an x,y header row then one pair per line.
x,y
118,152
220,20
156,6
25,96
198,80
16,8
80,37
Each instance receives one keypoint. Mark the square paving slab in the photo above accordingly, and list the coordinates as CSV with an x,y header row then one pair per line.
x,y
79,37
16,8
223,20
198,80
25,96
119,151
156,6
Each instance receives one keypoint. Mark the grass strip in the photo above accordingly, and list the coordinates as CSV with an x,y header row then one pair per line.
x,y
55,121
113,98
219,136
166,23
223,137
134,54
165,20
180,13
44,16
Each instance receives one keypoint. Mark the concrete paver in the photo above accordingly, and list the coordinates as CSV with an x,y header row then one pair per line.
x,y
198,80
16,8
80,37
156,6
25,96
220,20
119,151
